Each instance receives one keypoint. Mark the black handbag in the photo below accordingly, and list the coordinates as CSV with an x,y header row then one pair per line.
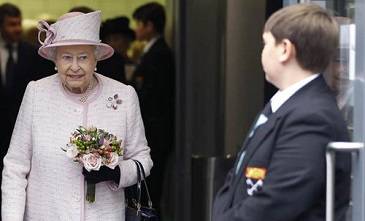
x,y
134,210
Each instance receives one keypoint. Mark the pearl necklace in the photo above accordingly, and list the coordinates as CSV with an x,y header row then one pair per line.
x,y
86,94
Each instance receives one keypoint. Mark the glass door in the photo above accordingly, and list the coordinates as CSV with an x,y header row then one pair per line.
x,y
346,76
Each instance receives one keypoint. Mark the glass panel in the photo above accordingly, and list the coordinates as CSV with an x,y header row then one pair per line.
x,y
348,74
340,74
345,76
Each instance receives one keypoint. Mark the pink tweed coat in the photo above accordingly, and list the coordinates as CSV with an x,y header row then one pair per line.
x,y
40,182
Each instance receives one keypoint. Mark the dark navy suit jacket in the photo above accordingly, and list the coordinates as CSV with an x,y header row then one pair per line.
x,y
25,70
154,81
288,154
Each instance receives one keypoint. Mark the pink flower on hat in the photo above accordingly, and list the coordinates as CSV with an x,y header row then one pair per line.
x,y
43,26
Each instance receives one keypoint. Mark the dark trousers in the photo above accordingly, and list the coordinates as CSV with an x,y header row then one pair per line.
x,y
6,129
159,136
160,139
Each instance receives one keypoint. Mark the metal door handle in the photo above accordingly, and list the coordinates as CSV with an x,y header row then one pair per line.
x,y
333,147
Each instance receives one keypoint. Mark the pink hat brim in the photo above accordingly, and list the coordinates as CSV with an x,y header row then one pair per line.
x,y
103,51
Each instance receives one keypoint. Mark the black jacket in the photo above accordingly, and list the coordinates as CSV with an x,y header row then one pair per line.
x,y
28,67
288,154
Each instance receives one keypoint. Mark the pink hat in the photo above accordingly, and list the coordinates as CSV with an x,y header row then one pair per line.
x,y
74,28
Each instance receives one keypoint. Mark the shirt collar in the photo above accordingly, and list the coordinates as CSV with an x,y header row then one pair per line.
x,y
149,44
3,44
281,96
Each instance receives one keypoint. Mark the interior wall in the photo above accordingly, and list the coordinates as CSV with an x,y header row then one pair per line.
x,y
33,10
199,129
244,78
204,61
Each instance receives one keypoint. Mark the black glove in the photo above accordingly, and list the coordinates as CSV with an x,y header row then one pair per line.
x,y
104,174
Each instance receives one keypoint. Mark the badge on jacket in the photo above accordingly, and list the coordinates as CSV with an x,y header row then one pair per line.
x,y
254,179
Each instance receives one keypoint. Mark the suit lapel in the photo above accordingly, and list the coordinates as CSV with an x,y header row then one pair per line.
x,y
258,137
253,143
244,144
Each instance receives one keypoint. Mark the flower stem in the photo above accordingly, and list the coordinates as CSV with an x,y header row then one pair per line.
x,y
90,192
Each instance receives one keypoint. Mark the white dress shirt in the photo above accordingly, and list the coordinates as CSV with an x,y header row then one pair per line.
x,y
281,96
149,44
4,55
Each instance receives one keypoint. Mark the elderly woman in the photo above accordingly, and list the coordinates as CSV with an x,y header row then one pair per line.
x,y
39,181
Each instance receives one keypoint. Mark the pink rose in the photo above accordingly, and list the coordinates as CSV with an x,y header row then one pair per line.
x,y
112,160
91,162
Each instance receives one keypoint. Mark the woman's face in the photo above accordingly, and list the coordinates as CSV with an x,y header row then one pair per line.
x,y
76,64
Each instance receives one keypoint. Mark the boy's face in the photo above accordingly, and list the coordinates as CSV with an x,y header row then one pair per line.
x,y
269,57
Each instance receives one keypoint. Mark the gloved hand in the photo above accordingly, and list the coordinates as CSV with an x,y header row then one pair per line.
x,y
104,174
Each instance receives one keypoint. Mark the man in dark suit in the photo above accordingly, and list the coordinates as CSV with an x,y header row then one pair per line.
x,y
18,63
116,33
280,172
153,80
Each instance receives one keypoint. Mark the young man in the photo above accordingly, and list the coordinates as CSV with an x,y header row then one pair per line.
x,y
280,171
18,65
153,80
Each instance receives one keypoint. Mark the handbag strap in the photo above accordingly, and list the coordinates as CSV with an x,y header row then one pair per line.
x,y
143,175
139,192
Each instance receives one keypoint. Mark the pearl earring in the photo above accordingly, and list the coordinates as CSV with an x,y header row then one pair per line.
x,y
55,68
95,69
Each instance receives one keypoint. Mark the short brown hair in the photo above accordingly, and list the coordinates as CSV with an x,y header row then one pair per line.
x,y
311,29
152,12
8,9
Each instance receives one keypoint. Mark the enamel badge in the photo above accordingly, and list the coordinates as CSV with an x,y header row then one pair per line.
x,y
256,173
254,179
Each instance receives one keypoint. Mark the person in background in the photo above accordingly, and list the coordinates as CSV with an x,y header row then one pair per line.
x,y
81,8
18,65
280,172
39,181
118,35
154,80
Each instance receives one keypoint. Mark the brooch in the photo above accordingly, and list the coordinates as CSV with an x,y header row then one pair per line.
x,y
113,102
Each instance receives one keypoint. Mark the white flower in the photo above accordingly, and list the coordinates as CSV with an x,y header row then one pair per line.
x,y
91,161
112,160
87,137
71,151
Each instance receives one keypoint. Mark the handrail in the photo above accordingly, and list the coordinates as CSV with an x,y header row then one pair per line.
x,y
333,147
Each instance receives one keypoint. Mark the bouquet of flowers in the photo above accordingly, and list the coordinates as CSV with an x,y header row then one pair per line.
x,y
93,148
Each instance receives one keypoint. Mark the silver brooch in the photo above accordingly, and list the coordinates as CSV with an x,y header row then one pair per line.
x,y
113,102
